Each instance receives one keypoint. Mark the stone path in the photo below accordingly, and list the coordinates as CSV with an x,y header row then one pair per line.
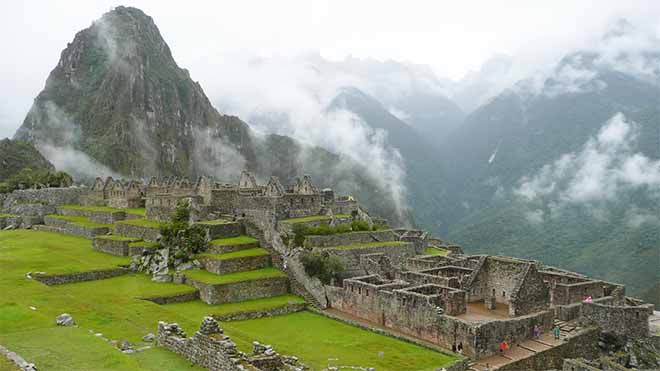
x,y
526,349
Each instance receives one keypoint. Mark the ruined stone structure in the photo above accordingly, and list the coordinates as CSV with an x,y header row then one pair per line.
x,y
479,301
115,193
211,349
245,198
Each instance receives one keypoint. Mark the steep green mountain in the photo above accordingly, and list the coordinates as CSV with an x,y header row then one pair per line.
x,y
118,103
17,155
525,135
118,96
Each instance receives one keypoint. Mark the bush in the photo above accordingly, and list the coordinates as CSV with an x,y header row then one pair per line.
x,y
180,237
323,267
359,226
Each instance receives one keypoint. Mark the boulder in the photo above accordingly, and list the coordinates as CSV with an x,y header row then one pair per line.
x,y
149,337
64,319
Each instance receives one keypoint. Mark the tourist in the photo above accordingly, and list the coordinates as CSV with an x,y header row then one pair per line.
x,y
460,348
537,331
454,348
557,332
504,346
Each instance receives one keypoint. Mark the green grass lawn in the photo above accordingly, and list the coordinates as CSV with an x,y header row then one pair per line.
x,y
80,220
148,223
237,254
216,279
199,309
325,342
90,208
368,245
435,251
112,307
7,365
313,218
215,222
240,240
141,211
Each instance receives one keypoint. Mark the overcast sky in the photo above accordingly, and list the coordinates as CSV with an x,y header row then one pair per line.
x,y
452,37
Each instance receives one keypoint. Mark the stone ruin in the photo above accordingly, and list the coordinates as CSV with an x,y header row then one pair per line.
x,y
210,348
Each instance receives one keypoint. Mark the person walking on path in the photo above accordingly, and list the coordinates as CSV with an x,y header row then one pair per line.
x,y
504,346
557,332
537,331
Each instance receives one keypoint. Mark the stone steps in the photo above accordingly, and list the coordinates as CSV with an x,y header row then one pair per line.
x,y
226,245
236,261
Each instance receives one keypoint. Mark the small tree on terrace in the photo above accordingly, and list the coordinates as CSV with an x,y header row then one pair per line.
x,y
182,238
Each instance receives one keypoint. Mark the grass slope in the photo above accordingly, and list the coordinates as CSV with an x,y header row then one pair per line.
x,y
240,240
217,279
199,309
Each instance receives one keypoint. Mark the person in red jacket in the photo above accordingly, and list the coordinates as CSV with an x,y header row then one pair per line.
x,y
504,346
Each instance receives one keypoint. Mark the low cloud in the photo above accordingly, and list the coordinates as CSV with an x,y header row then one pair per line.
x,y
606,168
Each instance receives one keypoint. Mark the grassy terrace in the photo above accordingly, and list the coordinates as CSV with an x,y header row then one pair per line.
x,y
240,240
111,307
80,220
327,342
435,251
313,218
136,211
368,245
199,309
2,215
218,279
237,254
215,222
147,223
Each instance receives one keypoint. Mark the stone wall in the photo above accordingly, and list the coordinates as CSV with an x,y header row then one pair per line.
x,y
241,291
137,231
102,217
222,230
351,257
225,266
582,345
569,293
61,279
578,365
44,196
350,238
269,312
624,319
10,220
213,350
482,339
168,299
85,231
111,246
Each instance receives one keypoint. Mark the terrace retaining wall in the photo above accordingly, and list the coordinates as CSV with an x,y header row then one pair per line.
x,y
137,231
102,217
225,266
271,312
224,230
350,257
61,279
241,291
350,238
168,299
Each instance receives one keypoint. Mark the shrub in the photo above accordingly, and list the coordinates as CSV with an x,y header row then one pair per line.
x,y
180,237
323,267
359,225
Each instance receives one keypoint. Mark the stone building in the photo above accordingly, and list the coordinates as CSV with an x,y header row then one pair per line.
x,y
115,193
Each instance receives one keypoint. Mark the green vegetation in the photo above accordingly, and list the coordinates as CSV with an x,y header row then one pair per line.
x,y
28,178
2,215
183,239
112,307
90,208
301,230
147,223
322,266
313,218
435,251
7,365
17,155
240,240
218,279
141,211
368,245
328,341
237,254
80,220
199,309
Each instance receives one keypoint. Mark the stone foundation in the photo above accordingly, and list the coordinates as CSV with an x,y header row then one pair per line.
x,y
241,291
61,279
